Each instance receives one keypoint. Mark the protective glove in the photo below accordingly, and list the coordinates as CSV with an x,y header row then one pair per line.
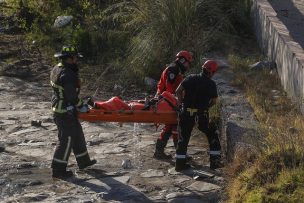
x,y
84,108
70,110
89,101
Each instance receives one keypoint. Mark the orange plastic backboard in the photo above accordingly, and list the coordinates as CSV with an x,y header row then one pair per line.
x,y
129,116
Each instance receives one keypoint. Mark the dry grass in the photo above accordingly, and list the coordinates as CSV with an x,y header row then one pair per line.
x,y
283,126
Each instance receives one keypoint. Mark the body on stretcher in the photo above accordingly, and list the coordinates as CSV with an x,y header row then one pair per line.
x,y
160,110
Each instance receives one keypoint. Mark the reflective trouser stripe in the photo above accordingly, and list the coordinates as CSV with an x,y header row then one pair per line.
x,y
67,148
60,161
215,152
82,154
178,156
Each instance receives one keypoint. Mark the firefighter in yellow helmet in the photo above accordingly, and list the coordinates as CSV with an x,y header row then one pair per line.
x,y
65,104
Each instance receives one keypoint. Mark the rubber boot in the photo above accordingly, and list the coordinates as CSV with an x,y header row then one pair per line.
x,y
180,165
62,174
87,164
85,161
215,162
159,150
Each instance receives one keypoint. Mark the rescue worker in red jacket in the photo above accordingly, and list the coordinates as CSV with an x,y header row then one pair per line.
x,y
65,104
198,93
170,79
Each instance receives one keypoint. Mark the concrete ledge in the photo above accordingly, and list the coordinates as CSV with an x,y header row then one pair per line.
x,y
239,127
276,42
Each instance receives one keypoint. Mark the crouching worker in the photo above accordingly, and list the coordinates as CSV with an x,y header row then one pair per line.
x,y
65,104
198,93
170,79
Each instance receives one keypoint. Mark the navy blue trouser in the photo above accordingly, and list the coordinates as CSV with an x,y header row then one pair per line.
x,y
187,123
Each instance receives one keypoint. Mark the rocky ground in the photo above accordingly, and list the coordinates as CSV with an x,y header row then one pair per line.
x,y
28,148
28,137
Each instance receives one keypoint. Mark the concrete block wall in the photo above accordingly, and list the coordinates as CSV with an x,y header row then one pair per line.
x,y
275,41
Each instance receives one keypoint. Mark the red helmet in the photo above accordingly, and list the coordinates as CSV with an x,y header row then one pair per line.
x,y
211,66
184,54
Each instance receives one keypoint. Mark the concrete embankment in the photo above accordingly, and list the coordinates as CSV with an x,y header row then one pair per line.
x,y
278,27
239,127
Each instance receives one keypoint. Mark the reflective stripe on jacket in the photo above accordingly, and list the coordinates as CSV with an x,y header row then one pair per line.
x,y
65,83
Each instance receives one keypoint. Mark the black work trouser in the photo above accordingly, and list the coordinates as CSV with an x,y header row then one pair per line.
x,y
70,136
187,123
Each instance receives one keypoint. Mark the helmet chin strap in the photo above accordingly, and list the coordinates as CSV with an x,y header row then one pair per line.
x,y
207,73
181,66
72,66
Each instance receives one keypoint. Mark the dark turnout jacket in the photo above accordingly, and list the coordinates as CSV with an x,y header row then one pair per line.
x,y
66,85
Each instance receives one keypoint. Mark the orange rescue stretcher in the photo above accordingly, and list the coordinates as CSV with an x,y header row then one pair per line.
x,y
160,110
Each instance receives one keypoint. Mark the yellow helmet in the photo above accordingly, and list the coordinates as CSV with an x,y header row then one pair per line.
x,y
68,51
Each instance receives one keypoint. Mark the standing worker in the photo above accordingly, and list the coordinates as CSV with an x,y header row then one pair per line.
x,y
65,104
198,93
170,79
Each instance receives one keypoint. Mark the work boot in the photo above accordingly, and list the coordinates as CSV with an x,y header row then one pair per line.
x,y
189,158
85,161
159,150
87,164
180,165
215,162
62,174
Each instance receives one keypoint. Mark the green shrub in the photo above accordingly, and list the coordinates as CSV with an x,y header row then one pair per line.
x,y
143,35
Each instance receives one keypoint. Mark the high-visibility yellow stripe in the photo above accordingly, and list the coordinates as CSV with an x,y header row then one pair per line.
x,y
60,89
61,94
79,103
56,86
59,110
60,104
192,111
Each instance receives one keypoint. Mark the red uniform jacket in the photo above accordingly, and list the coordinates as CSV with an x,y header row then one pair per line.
x,y
170,79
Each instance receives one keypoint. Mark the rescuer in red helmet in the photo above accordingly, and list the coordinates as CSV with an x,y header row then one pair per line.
x,y
197,93
170,79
